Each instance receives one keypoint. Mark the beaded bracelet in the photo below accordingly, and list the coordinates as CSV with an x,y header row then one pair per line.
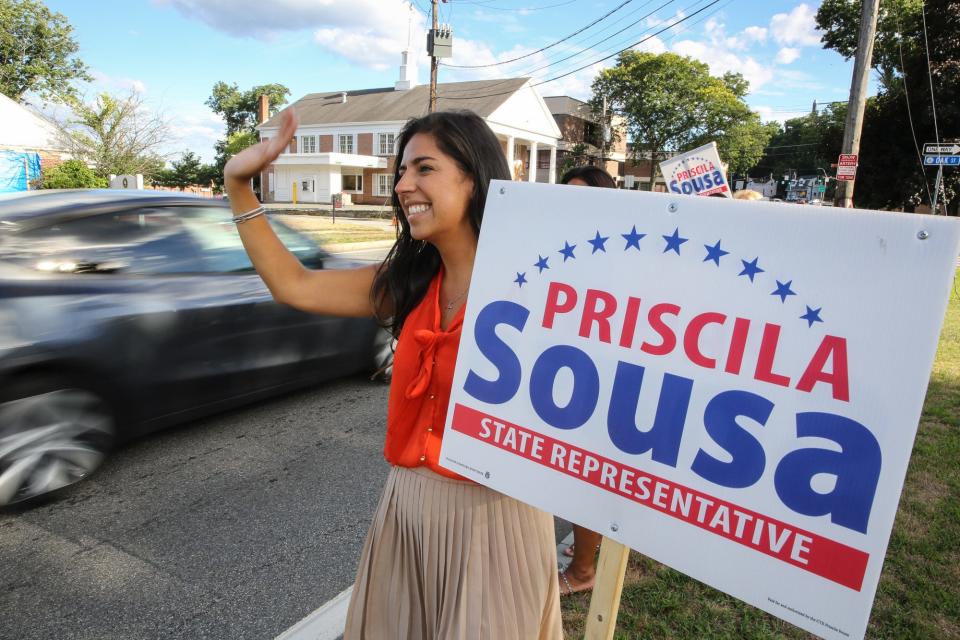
x,y
249,215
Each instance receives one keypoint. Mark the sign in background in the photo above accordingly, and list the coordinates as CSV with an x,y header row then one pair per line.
x,y
697,172
731,388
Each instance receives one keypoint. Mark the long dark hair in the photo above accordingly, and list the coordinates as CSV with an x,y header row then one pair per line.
x,y
593,176
405,274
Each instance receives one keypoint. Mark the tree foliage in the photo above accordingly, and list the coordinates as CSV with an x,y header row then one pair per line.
x,y
37,52
240,110
901,117
804,145
188,171
72,174
116,135
672,103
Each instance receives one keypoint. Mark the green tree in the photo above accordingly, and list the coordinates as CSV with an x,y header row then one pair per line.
x,y
37,52
804,145
116,135
188,171
72,174
672,103
240,110
901,118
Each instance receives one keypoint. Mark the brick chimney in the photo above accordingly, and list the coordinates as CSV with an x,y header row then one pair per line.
x,y
263,109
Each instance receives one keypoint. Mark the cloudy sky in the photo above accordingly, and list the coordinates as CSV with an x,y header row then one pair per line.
x,y
173,51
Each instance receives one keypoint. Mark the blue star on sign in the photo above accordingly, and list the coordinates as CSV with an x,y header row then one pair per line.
x,y
598,243
714,253
567,250
783,290
633,238
811,316
521,278
541,263
674,241
750,269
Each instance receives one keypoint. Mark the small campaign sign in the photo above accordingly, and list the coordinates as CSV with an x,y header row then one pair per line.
x,y
734,395
697,172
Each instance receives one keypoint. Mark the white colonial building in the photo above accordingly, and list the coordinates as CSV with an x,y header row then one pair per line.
x,y
345,140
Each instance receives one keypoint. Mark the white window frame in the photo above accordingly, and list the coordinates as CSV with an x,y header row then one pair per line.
x,y
312,146
341,138
359,177
387,149
383,184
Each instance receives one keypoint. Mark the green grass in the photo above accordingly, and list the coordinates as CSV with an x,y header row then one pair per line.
x,y
327,232
919,592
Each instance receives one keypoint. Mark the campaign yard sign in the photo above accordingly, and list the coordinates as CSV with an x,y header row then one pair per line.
x,y
697,172
732,388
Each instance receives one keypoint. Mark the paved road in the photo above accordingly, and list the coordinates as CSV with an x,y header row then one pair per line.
x,y
231,527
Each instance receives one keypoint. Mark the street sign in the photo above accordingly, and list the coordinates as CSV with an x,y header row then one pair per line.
x,y
847,160
933,148
846,172
941,160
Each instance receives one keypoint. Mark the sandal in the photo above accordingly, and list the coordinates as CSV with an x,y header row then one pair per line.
x,y
570,590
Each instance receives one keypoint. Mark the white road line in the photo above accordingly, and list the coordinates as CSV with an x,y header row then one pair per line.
x,y
326,623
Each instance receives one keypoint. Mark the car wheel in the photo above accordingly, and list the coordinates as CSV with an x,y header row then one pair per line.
x,y
383,347
52,434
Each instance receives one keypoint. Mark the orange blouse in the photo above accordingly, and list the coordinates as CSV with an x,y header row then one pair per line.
x,y
420,390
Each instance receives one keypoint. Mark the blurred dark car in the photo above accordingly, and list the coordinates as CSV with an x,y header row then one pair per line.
x,y
124,312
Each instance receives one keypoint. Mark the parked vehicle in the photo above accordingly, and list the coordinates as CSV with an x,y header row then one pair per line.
x,y
124,312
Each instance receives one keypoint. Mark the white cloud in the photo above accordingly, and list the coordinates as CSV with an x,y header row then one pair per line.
x,y
368,32
114,84
787,55
769,114
755,34
798,27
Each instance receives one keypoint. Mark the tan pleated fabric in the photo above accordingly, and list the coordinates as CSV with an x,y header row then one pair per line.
x,y
452,560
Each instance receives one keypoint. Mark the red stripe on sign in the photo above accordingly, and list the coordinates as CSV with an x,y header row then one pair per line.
x,y
822,556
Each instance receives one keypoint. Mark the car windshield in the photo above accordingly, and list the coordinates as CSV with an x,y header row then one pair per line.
x,y
144,241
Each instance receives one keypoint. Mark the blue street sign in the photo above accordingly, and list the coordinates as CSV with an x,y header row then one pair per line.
x,y
939,160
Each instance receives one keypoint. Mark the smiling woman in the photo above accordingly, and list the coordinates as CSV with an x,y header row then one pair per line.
x,y
444,557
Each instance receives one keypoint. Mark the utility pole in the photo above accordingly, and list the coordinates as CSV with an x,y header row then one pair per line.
x,y
858,95
439,45
434,62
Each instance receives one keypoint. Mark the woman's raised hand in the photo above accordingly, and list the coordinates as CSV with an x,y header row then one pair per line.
x,y
252,160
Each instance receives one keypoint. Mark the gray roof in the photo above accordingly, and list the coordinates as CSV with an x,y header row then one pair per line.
x,y
388,105
568,106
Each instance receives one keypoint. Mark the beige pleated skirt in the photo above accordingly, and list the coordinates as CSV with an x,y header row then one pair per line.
x,y
452,560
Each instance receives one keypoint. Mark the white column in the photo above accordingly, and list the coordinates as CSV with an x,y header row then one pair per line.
x,y
532,174
510,143
553,165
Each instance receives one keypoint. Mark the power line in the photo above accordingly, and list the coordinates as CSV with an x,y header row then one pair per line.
x,y
553,44
589,47
564,75
486,5
906,94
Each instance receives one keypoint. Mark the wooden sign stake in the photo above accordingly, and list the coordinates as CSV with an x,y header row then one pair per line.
x,y
605,600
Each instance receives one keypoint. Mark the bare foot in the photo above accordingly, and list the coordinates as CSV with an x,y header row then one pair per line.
x,y
571,582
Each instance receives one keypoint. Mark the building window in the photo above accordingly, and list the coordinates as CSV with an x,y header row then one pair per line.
x,y
308,144
387,142
353,182
346,143
383,185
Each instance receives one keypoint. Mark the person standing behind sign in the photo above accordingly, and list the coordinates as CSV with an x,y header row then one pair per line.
x,y
580,574
444,557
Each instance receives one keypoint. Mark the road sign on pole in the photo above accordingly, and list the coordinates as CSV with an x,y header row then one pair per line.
x,y
934,148
847,160
941,160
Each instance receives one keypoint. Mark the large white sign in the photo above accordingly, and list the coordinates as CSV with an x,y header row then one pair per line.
x,y
697,172
732,388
